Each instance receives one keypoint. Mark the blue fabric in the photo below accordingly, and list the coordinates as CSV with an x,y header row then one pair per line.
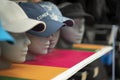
x,y
5,36
55,13
35,11
107,59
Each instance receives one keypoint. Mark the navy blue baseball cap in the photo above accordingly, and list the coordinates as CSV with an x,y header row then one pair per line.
x,y
5,36
55,13
35,11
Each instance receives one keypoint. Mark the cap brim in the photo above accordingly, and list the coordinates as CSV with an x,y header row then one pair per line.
x,y
5,36
52,27
23,25
79,14
87,15
89,19
68,21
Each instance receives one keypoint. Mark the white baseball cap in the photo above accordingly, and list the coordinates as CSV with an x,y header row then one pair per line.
x,y
15,20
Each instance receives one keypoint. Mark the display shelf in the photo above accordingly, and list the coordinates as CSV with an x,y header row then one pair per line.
x,y
58,65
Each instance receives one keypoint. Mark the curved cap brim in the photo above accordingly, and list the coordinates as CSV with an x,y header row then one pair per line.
x,y
52,27
68,21
23,25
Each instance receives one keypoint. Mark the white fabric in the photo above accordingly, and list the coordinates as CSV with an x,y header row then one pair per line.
x,y
14,18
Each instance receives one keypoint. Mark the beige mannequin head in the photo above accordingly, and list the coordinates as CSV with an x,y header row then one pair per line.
x,y
70,35
41,45
16,52
75,33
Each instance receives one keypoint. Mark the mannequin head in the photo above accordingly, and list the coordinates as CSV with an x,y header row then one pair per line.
x,y
41,45
77,13
17,25
70,35
5,36
16,52
75,32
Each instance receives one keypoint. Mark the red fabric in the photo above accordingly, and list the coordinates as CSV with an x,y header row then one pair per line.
x,y
61,58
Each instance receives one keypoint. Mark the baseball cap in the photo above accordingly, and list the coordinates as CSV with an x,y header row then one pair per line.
x,y
35,11
55,13
14,19
5,36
